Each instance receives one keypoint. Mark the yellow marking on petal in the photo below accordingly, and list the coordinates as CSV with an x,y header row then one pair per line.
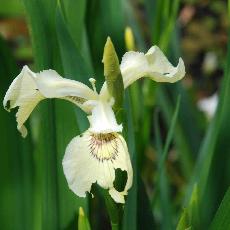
x,y
104,146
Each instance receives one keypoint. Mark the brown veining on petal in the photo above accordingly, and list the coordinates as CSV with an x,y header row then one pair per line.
x,y
104,146
75,99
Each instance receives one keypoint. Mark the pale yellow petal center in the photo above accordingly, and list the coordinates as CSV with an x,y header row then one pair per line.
x,y
103,146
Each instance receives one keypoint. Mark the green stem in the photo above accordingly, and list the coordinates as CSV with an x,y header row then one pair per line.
x,y
114,211
114,226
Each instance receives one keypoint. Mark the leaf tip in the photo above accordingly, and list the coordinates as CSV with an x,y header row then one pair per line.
x,y
81,212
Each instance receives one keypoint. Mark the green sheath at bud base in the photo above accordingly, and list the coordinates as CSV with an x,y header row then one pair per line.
x,y
112,74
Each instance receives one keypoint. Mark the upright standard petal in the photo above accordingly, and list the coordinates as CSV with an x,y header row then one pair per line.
x,y
103,119
93,158
153,64
29,88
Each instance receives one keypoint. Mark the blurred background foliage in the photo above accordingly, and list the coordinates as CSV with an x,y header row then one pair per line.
x,y
180,155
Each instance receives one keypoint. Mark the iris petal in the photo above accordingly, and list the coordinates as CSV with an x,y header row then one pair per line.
x,y
153,64
29,88
93,158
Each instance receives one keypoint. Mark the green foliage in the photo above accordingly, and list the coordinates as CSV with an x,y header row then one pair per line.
x,y
162,182
190,215
11,8
59,205
221,219
209,167
130,218
17,162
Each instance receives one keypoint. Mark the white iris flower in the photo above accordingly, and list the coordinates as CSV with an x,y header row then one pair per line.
x,y
93,156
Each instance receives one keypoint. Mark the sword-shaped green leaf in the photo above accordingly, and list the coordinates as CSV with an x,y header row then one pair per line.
x,y
221,219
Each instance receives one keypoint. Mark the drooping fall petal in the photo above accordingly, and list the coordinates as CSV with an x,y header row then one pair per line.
x,y
93,158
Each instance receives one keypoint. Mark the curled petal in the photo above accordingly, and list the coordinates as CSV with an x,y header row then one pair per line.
x,y
24,94
153,64
29,88
93,158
